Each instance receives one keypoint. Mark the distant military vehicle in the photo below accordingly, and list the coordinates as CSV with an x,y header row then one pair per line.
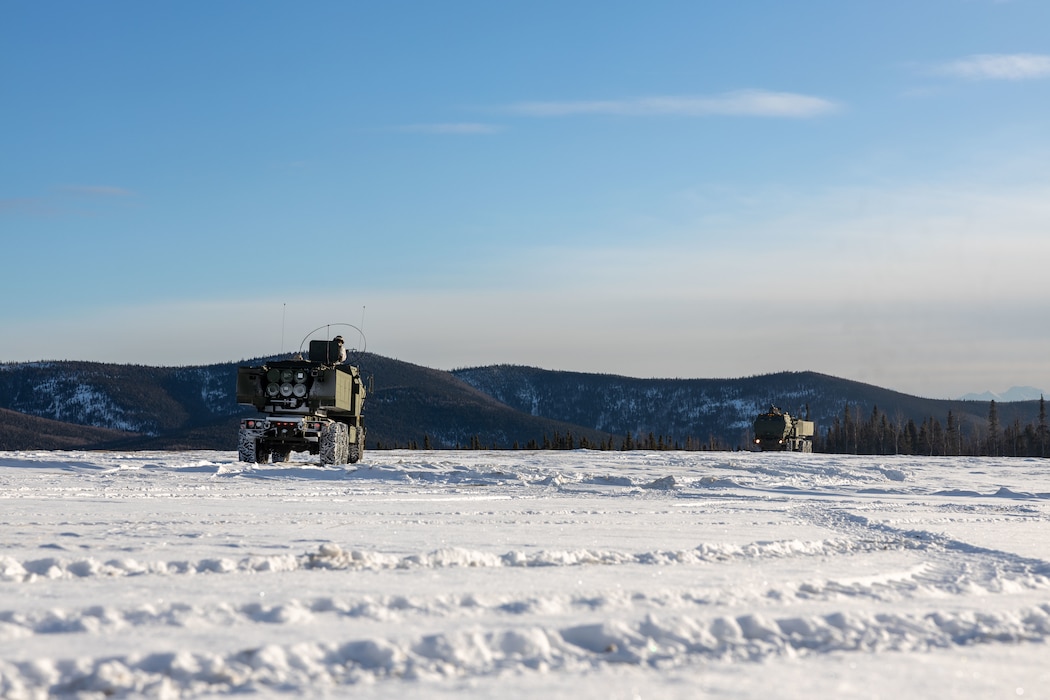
x,y
776,430
308,405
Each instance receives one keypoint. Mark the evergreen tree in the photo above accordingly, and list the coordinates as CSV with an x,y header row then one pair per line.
x,y
936,437
951,436
885,433
924,445
910,440
993,429
1043,432
849,430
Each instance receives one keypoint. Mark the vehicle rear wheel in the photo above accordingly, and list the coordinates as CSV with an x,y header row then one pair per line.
x,y
343,443
333,447
247,447
357,449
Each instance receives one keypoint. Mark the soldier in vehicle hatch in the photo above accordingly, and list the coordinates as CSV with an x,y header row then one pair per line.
x,y
342,349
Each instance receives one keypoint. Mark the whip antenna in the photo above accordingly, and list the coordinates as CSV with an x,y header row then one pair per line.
x,y
361,346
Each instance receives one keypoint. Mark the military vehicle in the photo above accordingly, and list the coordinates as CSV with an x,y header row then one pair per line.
x,y
307,405
776,430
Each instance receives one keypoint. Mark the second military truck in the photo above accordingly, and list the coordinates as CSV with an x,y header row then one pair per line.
x,y
776,430
312,405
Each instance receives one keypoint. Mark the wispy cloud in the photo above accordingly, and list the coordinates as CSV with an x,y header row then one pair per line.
x,y
96,190
63,200
24,205
749,103
1017,66
451,128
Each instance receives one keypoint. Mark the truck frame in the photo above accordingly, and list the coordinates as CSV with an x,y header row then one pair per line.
x,y
776,430
310,405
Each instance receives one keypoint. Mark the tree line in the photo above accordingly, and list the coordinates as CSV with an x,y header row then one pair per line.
x,y
881,434
568,441
853,432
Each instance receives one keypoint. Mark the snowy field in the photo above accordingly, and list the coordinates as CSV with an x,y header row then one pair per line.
x,y
524,574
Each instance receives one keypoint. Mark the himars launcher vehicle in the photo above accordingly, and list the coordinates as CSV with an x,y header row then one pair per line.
x,y
311,405
776,430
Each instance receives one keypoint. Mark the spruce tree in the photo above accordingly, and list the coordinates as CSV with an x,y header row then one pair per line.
x,y
993,429
951,437
1043,432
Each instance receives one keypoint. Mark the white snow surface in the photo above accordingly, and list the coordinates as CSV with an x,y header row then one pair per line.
x,y
474,574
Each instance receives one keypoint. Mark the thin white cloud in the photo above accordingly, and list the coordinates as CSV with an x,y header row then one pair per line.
x,y
1018,66
33,206
59,200
97,190
452,128
749,103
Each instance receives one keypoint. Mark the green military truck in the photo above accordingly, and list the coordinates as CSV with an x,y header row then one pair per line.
x,y
776,430
312,405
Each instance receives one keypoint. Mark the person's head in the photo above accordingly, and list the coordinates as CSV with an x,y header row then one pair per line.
x,y
338,339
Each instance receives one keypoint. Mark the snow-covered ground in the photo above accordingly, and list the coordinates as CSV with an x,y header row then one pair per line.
x,y
524,574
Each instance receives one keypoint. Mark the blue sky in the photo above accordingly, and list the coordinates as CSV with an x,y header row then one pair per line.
x,y
661,189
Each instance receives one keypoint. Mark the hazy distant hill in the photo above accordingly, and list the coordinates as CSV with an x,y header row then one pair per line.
x,y
719,408
1014,393
195,407
96,405
19,431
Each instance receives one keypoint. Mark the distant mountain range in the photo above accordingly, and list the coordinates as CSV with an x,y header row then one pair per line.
x,y
1014,393
84,405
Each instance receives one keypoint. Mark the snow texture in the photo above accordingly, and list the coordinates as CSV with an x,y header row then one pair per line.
x,y
420,574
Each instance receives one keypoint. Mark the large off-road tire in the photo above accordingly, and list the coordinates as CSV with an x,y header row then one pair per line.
x,y
344,444
357,449
333,447
247,449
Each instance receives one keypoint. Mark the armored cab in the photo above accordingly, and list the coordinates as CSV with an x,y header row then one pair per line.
x,y
313,405
776,430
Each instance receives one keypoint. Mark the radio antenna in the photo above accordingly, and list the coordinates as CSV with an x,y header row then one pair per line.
x,y
284,314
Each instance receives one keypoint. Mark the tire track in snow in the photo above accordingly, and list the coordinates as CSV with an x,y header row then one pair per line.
x,y
331,556
654,642
950,566
953,566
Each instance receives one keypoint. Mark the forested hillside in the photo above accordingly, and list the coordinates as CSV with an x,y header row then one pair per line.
x,y
94,405
691,413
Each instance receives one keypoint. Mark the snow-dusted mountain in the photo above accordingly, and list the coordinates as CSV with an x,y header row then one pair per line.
x,y
716,411
1014,393
495,406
